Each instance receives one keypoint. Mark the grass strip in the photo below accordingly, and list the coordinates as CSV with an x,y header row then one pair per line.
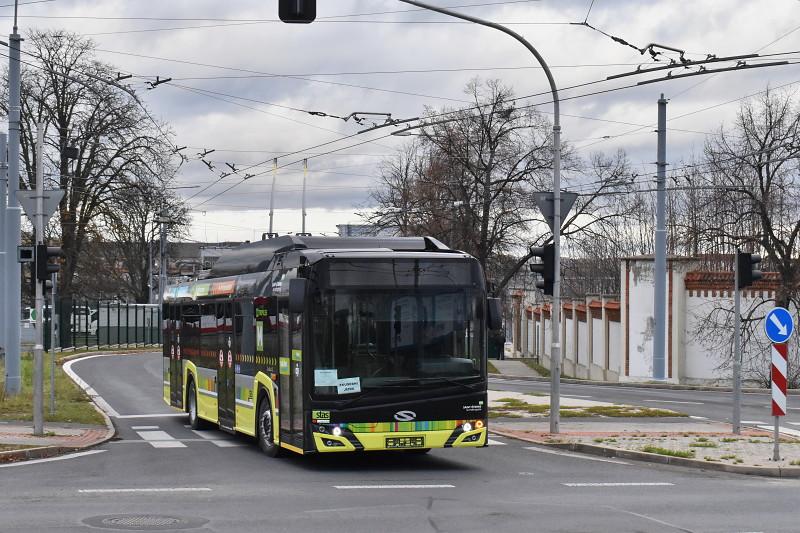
x,y
72,404
686,454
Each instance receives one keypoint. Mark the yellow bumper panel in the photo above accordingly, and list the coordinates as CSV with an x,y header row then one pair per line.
x,y
377,441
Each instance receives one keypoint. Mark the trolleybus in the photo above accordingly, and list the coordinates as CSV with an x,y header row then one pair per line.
x,y
320,344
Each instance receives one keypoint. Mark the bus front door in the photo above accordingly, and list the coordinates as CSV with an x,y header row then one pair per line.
x,y
226,377
291,375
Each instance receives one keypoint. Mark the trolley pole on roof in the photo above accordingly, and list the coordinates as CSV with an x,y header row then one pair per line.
x,y
305,177
272,194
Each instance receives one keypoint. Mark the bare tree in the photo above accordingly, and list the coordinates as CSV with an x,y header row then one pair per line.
x,y
470,180
118,143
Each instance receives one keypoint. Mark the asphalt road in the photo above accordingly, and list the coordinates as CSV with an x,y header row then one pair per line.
x,y
715,406
221,484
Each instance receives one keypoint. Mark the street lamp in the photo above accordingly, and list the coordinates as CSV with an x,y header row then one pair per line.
x,y
555,353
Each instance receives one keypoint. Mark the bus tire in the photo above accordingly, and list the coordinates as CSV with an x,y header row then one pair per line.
x,y
266,430
195,422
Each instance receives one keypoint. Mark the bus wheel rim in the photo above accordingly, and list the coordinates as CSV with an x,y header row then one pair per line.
x,y
266,427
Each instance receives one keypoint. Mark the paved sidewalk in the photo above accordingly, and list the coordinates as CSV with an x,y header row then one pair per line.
x,y
60,435
678,441
510,367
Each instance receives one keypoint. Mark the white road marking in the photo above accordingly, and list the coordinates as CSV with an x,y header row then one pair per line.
x,y
753,422
51,459
576,455
143,427
698,417
347,487
786,431
527,474
155,435
227,443
156,415
161,439
98,400
618,484
210,435
493,442
794,423
168,489
168,444
674,401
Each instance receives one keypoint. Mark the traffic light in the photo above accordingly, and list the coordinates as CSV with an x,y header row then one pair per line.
x,y
547,267
43,265
297,11
745,263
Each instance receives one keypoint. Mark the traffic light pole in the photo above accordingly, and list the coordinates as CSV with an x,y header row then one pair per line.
x,y
53,322
736,420
38,348
660,275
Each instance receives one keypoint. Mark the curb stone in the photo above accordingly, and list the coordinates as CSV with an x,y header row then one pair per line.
x,y
591,449
665,386
42,452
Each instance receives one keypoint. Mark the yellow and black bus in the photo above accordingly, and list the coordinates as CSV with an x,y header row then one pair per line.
x,y
322,344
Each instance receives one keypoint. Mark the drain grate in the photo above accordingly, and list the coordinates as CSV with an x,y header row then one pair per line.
x,y
144,522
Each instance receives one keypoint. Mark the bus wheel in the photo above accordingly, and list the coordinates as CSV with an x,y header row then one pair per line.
x,y
266,430
191,399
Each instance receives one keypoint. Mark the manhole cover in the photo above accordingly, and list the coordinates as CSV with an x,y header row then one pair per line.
x,y
144,522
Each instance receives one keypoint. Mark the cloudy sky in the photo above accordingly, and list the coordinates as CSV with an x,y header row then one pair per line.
x,y
243,83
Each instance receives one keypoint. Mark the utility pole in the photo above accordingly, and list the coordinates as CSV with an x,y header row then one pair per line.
x,y
162,257
736,421
660,278
38,348
272,194
4,255
13,296
305,177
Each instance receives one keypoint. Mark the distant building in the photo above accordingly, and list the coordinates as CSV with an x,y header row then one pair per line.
x,y
365,230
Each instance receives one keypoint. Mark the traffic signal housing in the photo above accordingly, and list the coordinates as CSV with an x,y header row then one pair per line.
x,y
545,268
297,11
747,274
43,265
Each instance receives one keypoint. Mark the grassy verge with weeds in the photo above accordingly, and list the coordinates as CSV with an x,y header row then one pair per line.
x,y
72,404
518,407
688,454
490,368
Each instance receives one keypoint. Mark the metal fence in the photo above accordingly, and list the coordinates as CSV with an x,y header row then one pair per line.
x,y
86,323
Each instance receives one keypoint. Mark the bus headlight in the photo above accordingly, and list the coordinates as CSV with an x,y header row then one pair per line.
x,y
337,432
467,427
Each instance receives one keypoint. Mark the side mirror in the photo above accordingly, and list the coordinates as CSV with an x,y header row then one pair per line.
x,y
494,319
297,295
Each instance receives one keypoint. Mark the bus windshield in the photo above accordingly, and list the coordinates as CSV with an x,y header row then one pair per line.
x,y
392,337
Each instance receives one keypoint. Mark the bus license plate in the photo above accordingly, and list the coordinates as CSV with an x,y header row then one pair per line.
x,y
404,442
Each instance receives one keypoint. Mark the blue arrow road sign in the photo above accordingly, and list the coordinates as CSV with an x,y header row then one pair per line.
x,y
778,325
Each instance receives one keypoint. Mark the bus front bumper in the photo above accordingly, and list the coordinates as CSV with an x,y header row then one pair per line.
x,y
347,441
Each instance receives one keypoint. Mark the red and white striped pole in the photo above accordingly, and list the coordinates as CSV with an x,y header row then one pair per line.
x,y
779,379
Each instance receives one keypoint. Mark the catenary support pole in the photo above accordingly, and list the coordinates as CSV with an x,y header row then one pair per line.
x,y
305,178
555,353
38,348
272,194
4,254
660,276
736,420
13,213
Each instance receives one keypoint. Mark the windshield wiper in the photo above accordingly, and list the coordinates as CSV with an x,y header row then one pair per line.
x,y
450,381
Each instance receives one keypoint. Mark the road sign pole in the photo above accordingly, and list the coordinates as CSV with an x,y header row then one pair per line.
x,y
776,448
38,349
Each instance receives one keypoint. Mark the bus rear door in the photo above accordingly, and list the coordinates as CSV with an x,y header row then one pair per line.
x,y
226,378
